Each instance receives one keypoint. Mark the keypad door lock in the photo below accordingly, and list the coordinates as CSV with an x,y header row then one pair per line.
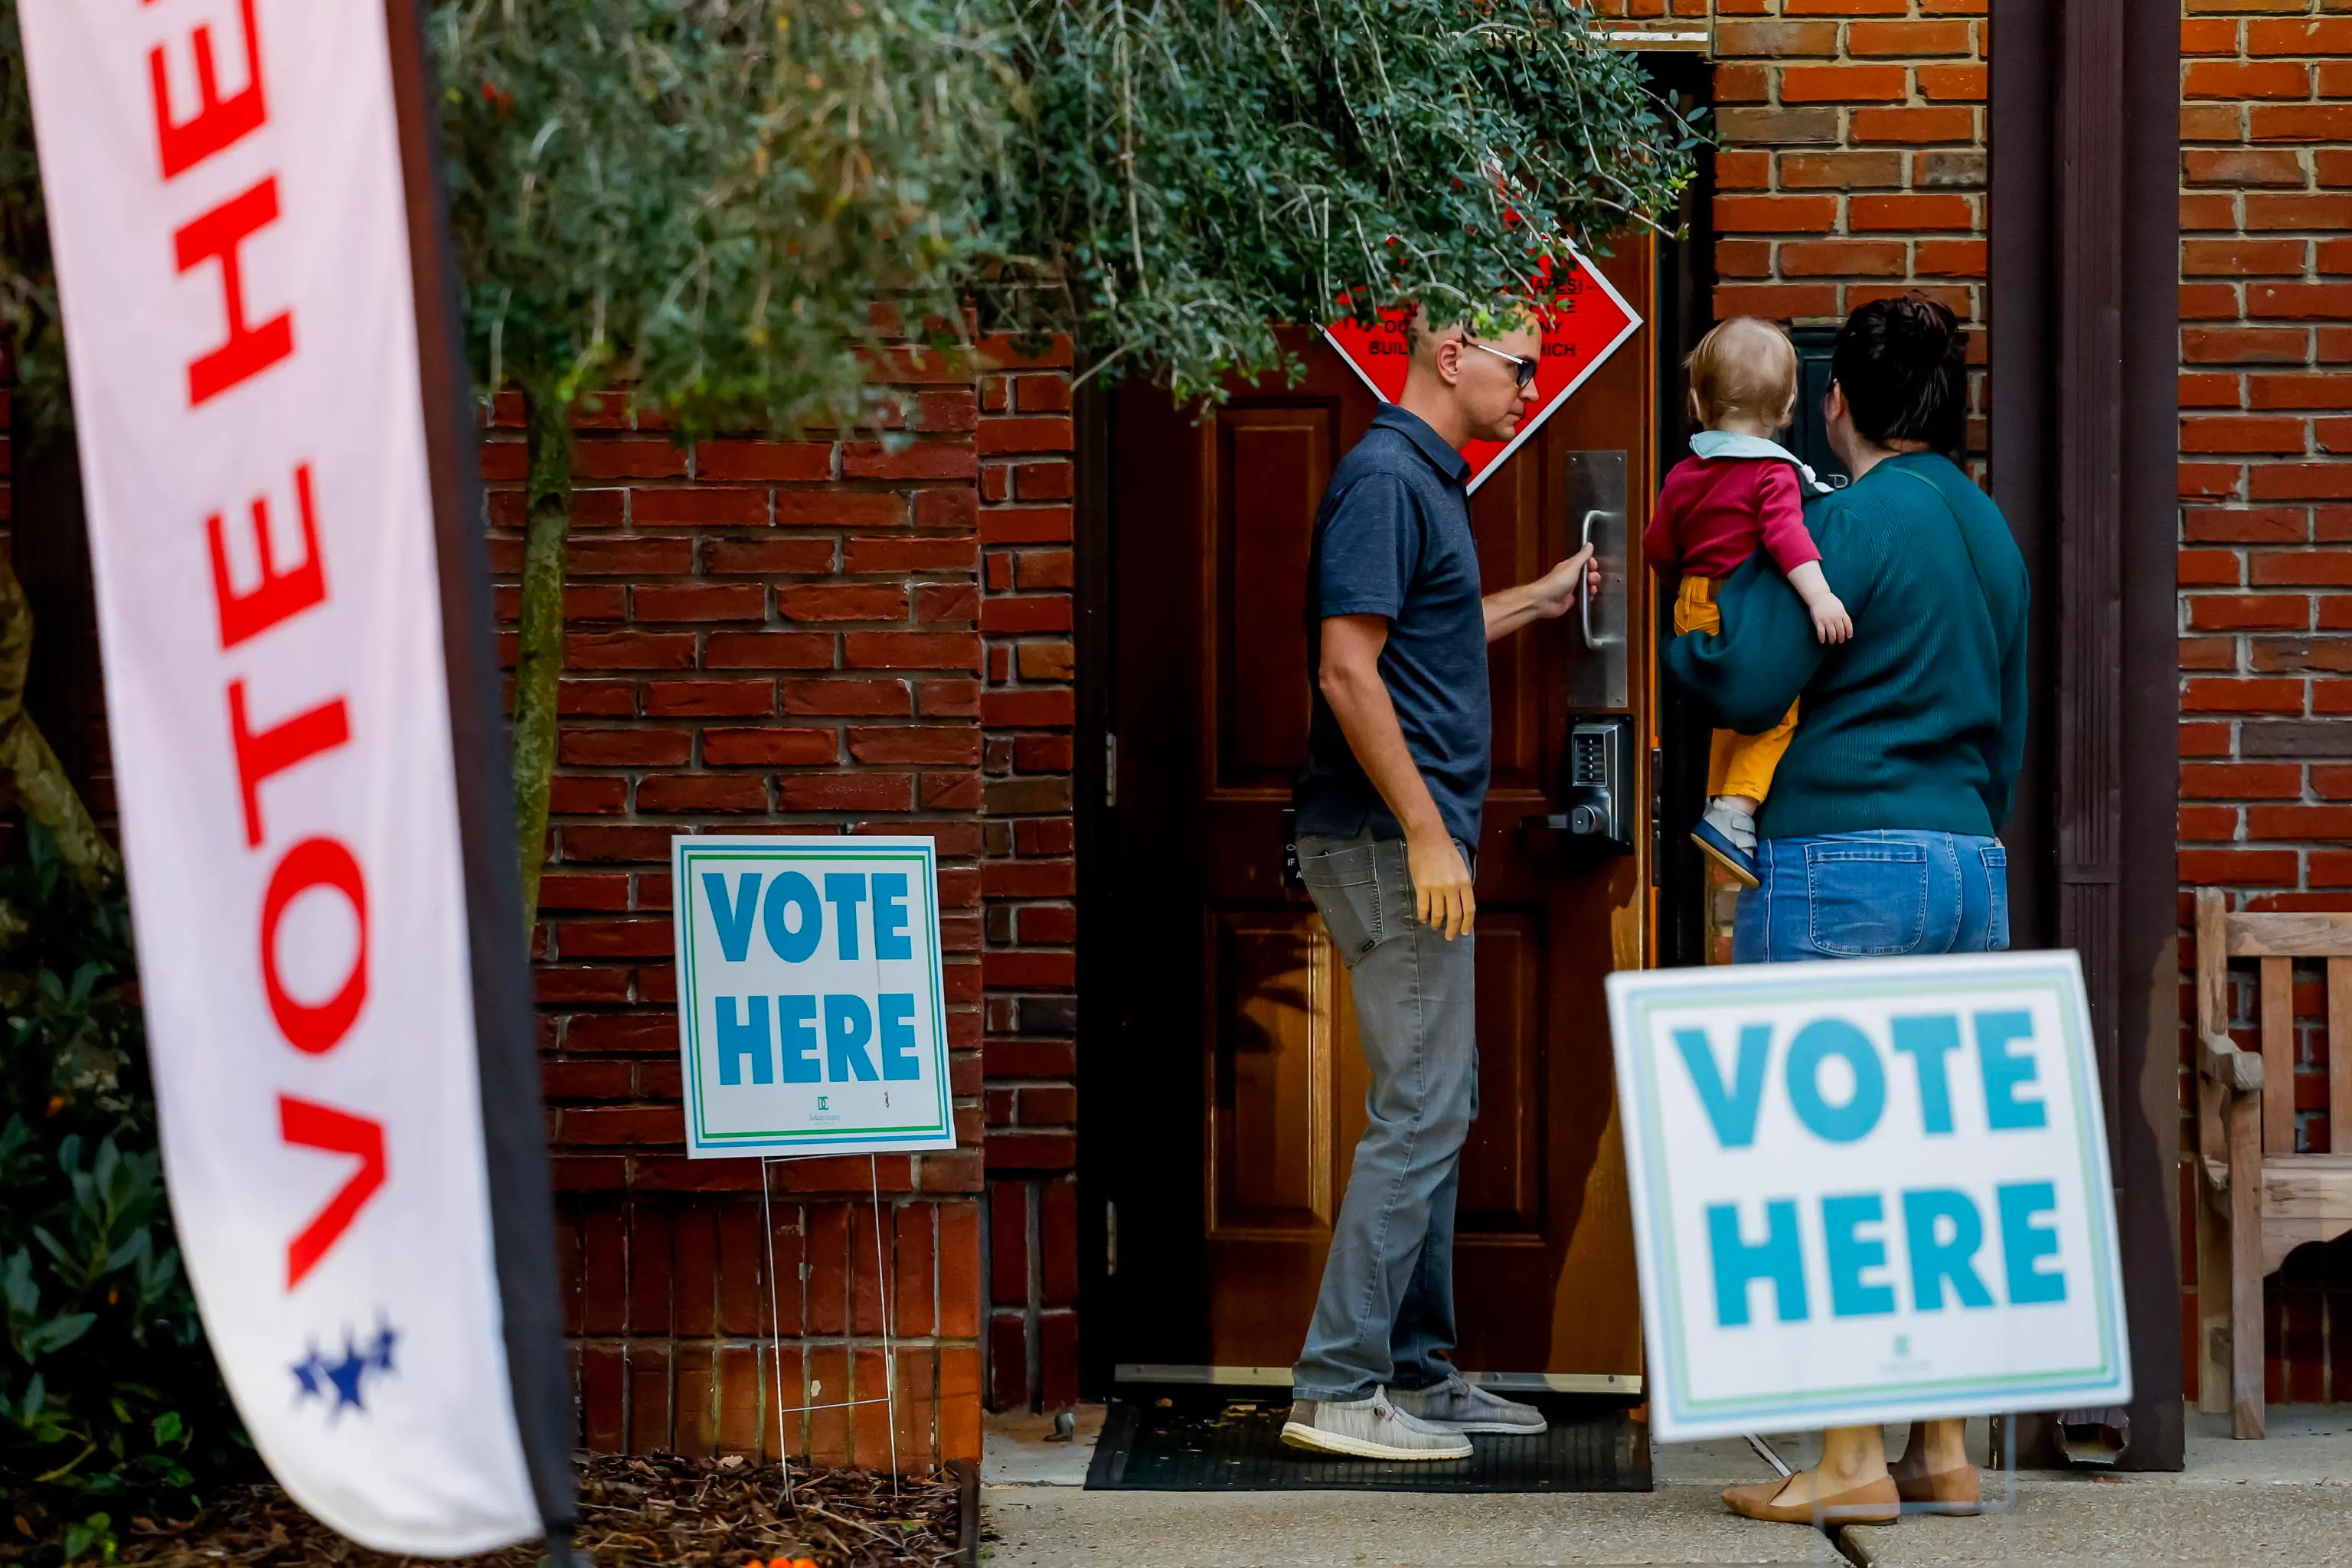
x,y
1599,795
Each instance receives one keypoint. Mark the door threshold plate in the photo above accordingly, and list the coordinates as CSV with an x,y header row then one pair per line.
x,y
1626,1383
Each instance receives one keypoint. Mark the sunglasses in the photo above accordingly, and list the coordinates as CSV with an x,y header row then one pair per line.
x,y
1523,367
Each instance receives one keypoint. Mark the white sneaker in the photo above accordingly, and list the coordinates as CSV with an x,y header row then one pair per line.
x,y
1369,1429
1457,1405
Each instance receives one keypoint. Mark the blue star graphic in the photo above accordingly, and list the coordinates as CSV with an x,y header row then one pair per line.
x,y
343,1382
345,1375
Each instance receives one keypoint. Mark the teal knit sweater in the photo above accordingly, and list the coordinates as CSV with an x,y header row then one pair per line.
x,y
1918,720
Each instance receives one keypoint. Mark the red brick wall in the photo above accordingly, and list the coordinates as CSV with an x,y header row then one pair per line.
x,y
1028,877
768,637
1851,155
2266,394
821,637
1640,22
2267,537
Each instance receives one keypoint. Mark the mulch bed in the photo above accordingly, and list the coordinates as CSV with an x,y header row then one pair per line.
x,y
634,1512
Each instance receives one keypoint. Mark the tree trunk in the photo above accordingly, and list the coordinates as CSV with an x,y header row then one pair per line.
x,y
47,794
48,546
539,659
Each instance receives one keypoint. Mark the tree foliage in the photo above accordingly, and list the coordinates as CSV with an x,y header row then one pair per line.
x,y
1200,170
712,206
700,202
110,1402
28,290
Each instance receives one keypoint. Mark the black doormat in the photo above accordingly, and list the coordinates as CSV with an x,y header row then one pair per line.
x,y
1210,1440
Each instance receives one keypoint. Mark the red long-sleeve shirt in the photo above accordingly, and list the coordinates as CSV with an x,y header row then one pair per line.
x,y
1712,513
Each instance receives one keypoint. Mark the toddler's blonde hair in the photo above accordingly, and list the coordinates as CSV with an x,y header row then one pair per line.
x,y
1745,365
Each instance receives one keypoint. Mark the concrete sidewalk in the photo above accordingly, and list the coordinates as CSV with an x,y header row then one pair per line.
x,y
2286,1502
1042,1519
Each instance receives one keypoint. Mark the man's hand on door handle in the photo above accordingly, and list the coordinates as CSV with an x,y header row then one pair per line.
x,y
1547,598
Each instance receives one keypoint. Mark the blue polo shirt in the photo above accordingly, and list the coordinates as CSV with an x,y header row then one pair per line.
x,y
1392,539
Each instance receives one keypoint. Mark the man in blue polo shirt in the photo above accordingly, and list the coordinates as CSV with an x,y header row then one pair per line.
x,y
1388,814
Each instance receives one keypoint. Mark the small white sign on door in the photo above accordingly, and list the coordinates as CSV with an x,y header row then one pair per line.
x,y
811,1018
1868,1191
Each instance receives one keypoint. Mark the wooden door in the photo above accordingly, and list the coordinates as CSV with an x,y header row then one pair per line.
x,y
1238,1083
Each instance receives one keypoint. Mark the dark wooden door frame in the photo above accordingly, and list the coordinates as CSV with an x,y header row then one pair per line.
x,y
1097,684
2083,405
1683,307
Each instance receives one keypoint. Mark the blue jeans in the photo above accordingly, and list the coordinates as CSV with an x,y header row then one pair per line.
x,y
1886,893
1384,1314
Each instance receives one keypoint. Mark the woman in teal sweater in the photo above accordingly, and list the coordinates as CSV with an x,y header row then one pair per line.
x,y
1877,838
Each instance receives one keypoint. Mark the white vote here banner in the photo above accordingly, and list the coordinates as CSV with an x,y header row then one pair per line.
x,y
811,1018
1868,1191
226,204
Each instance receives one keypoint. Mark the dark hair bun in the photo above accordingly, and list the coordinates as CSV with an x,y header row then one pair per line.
x,y
1903,364
1920,328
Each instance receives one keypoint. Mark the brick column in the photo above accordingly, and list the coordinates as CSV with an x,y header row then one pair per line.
x,y
1852,162
2266,548
1029,876
2266,389
777,637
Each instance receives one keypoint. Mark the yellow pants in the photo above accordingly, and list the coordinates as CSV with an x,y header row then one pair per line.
x,y
1736,764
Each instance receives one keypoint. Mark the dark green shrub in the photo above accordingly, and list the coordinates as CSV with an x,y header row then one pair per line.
x,y
111,1407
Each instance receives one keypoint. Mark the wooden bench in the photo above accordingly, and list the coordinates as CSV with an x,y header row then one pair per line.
x,y
2258,1200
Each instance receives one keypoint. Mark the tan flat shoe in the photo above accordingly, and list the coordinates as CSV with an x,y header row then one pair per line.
x,y
1956,1491
1874,1503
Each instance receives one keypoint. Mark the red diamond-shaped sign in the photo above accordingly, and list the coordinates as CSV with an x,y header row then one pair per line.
x,y
1583,323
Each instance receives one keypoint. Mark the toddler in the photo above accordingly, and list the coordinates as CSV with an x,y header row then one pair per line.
x,y
1738,489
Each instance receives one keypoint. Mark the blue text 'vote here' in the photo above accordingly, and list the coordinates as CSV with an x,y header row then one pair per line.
x,y
841,1055
1942,1230
1930,1041
791,915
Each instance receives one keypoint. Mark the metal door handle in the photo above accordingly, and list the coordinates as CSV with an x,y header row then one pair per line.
x,y
1584,589
1597,515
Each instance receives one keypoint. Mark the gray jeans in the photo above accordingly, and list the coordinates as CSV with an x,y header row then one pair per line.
x,y
1385,1313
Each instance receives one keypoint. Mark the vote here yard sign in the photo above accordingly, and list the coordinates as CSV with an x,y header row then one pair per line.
x,y
810,1013
1868,1191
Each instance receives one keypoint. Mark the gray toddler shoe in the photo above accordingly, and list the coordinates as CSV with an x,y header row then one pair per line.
x,y
1729,838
